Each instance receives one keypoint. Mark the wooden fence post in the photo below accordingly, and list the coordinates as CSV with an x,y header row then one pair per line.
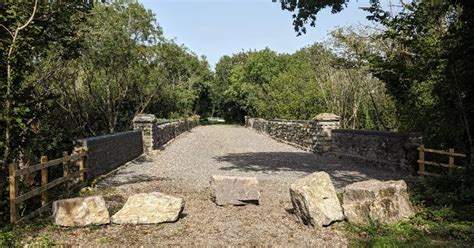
x,y
451,162
421,159
44,180
66,172
80,162
14,212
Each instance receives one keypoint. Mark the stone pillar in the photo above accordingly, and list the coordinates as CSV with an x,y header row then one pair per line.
x,y
146,123
325,122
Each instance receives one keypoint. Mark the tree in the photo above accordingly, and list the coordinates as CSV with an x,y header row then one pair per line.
x,y
27,29
306,11
421,66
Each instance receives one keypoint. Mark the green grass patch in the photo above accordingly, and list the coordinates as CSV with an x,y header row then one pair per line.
x,y
6,238
104,240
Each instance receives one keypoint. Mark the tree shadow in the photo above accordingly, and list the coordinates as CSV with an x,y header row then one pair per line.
x,y
342,172
128,177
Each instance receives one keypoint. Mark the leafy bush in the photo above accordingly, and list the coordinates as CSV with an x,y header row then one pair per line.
x,y
6,238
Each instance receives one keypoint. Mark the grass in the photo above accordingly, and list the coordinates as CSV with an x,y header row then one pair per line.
x,y
6,238
436,223
104,240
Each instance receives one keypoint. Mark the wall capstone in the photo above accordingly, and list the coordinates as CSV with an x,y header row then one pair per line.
x,y
156,134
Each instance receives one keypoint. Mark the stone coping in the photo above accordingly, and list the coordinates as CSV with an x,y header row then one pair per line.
x,y
106,136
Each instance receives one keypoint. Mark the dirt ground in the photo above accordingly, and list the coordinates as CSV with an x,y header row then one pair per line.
x,y
183,169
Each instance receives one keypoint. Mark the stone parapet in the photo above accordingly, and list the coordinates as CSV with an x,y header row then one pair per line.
x,y
313,135
156,134
107,152
394,150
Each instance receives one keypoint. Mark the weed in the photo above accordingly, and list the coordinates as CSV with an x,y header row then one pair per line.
x,y
104,240
6,238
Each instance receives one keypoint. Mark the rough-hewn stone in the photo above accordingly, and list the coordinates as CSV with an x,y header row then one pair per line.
x,y
392,150
226,190
314,135
386,202
145,118
149,208
156,134
326,117
81,211
315,201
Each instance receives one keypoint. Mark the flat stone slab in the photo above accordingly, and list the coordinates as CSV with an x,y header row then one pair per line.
x,y
81,211
227,190
315,201
386,202
149,208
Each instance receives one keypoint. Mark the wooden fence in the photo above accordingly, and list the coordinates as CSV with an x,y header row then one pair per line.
x,y
66,161
450,165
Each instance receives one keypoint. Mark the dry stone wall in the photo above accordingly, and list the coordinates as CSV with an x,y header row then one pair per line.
x,y
105,153
393,150
314,135
156,134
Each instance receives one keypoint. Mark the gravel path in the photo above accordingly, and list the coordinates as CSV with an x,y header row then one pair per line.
x,y
183,169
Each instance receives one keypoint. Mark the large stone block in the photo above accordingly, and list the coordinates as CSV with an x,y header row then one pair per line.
x,y
81,211
149,208
386,202
315,201
226,190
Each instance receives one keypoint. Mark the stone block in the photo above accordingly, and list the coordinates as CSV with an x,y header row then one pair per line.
x,y
315,201
386,202
149,208
81,211
226,190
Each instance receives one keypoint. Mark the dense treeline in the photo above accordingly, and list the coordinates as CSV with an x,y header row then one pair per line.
x,y
410,72
72,70
315,79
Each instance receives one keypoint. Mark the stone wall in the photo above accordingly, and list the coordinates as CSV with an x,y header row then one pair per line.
x,y
313,135
105,153
156,134
394,150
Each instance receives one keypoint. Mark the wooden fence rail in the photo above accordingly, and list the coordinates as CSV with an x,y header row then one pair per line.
x,y
450,165
65,161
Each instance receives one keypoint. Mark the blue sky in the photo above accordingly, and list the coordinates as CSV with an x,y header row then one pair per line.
x,y
214,28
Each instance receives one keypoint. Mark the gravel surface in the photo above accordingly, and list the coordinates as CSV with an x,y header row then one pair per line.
x,y
183,169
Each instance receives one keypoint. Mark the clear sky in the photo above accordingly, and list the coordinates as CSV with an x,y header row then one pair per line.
x,y
214,28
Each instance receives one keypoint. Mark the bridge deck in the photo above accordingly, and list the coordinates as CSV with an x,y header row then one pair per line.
x,y
183,169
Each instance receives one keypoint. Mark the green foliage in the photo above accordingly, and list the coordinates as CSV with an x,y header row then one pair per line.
x,y
298,86
81,70
21,51
449,191
427,67
305,11
6,238
104,240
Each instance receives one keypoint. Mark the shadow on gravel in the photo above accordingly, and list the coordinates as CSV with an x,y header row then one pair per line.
x,y
342,172
127,177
